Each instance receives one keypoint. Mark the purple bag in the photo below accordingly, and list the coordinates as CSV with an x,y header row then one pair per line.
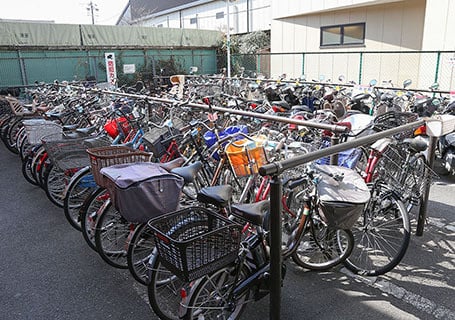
x,y
142,190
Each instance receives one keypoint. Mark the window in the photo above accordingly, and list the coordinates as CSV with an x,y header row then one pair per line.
x,y
193,20
160,25
343,35
220,15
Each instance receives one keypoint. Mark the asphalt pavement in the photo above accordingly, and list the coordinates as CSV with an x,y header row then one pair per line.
x,y
48,272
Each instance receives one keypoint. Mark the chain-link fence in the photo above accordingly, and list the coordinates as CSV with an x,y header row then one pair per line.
x,y
423,67
22,67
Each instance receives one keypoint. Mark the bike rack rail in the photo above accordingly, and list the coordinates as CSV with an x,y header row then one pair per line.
x,y
276,168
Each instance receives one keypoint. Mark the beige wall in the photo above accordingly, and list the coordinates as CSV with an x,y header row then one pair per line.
x,y
439,33
396,26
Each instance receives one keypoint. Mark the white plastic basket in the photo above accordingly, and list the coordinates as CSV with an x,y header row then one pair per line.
x,y
38,128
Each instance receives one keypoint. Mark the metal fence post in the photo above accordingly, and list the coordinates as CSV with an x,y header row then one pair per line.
x,y
22,68
360,67
438,61
303,64
275,250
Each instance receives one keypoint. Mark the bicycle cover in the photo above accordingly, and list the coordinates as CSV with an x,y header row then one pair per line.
x,y
143,190
342,194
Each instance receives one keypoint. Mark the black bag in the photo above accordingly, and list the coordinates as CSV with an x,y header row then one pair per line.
x,y
143,190
342,199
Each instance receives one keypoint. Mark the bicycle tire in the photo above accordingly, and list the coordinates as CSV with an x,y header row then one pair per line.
x,y
213,293
10,135
27,171
381,234
89,214
322,248
112,235
78,189
163,286
139,252
55,183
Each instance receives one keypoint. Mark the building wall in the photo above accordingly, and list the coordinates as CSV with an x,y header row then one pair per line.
x,y
390,26
245,16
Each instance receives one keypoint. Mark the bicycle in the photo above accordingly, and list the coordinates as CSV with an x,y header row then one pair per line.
x,y
248,271
397,173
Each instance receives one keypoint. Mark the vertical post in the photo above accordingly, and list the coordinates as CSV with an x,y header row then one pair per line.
x,y
335,139
426,188
438,61
22,68
303,64
275,250
228,40
360,67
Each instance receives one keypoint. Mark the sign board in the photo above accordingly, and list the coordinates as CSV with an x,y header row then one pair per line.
x,y
129,68
111,72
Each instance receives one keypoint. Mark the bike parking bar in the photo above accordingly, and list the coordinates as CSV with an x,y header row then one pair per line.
x,y
276,168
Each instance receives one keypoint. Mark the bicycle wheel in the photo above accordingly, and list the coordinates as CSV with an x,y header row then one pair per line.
x,y
210,297
322,248
112,235
55,181
89,214
414,181
139,252
10,135
163,290
164,287
381,235
27,170
78,189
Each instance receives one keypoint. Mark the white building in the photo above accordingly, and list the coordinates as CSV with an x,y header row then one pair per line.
x,y
245,15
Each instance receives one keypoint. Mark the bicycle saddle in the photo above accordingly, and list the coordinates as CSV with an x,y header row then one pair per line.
x,y
216,195
252,212
416,144
189,172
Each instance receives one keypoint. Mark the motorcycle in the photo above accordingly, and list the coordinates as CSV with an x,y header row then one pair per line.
x,y
446,144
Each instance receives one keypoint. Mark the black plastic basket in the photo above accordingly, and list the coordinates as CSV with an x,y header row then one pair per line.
x,y
195,241
393,119
159,139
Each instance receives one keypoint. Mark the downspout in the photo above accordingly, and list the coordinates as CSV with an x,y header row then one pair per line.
x,y
248,16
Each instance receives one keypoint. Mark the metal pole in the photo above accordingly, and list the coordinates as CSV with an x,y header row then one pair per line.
x,y
426,188
275,249
228,41
335,139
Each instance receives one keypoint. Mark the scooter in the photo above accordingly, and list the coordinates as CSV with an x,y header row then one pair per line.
x,y
446,144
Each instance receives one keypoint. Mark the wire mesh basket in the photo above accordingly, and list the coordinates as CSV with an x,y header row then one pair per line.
x,y
407,174
195,241
37,129
108,156
66,153
393,119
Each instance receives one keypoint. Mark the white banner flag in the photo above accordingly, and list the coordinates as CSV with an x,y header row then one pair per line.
x,y
111,72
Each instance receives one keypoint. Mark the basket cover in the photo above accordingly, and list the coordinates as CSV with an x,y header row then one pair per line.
x,y
341,200
141,191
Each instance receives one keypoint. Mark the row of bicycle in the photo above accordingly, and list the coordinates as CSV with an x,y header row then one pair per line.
x,y
211,257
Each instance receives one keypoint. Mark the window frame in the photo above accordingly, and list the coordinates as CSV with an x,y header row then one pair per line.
x,y
341,43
